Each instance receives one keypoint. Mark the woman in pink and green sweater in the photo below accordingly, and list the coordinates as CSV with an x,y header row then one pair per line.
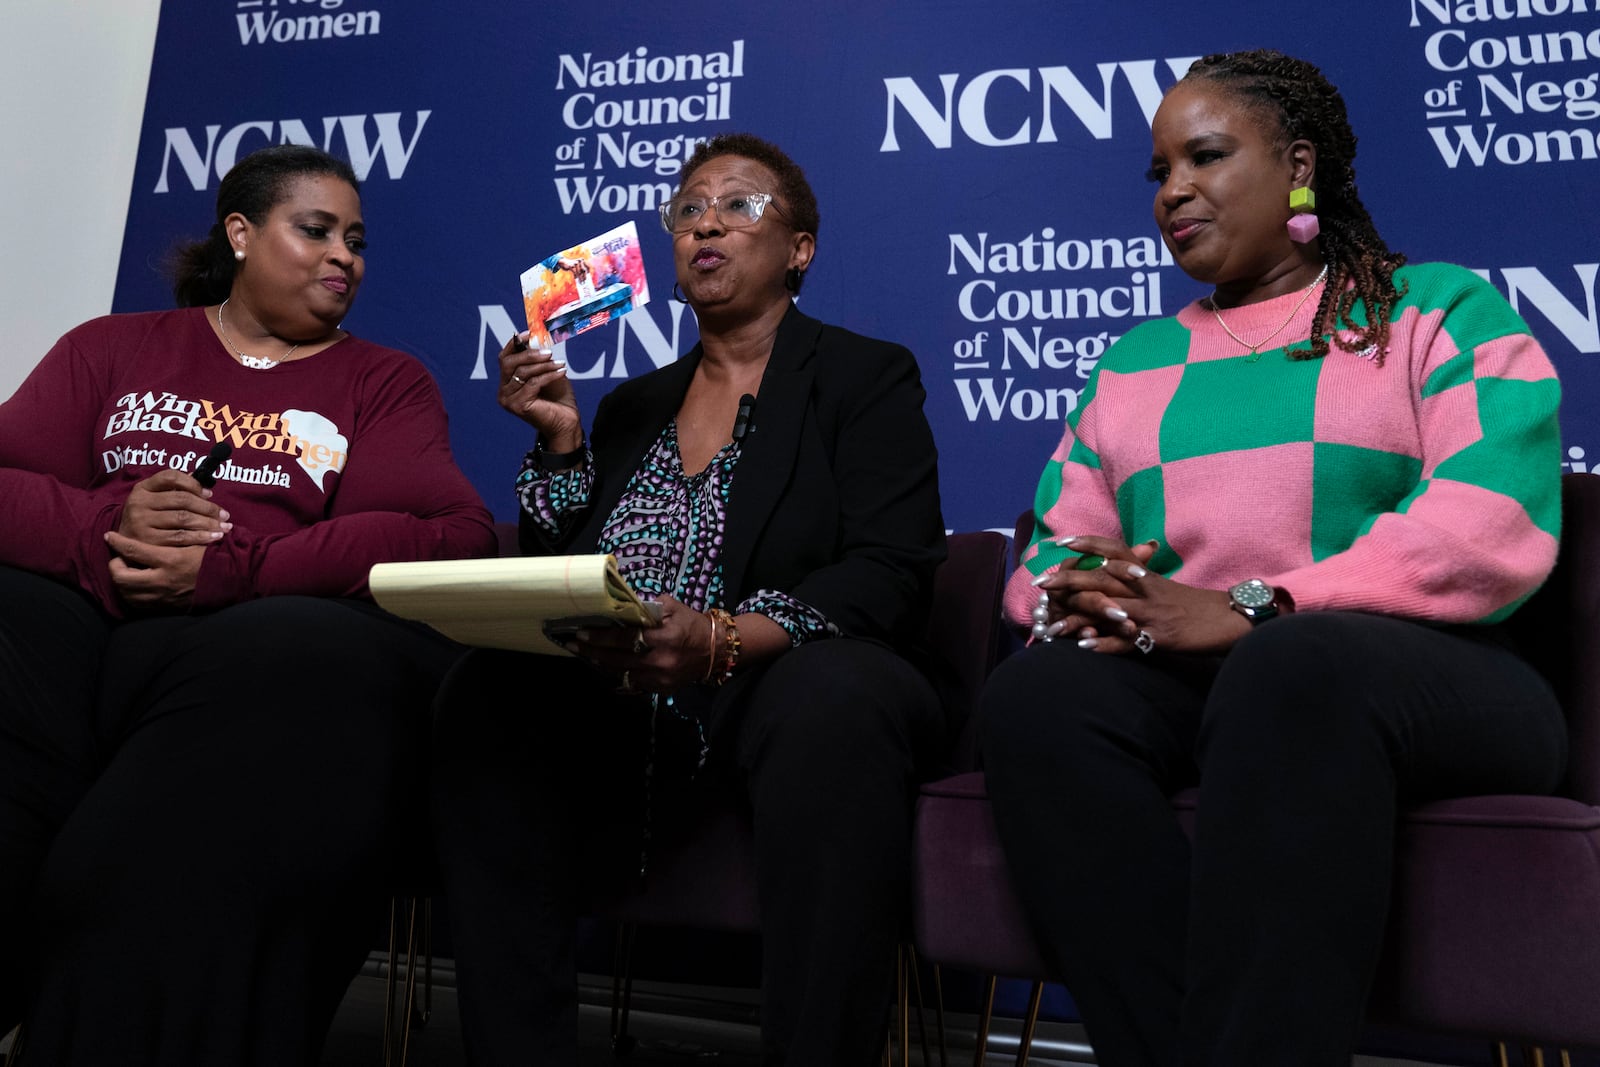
x,y
1270,556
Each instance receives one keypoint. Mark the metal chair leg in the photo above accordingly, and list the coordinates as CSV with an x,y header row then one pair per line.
x,y
985,1016
898,1010
1035,996
1499,1055
389,981
426,1011
938,1015
413,906
915,971
1532,1057
400,981
903,1022
622,1042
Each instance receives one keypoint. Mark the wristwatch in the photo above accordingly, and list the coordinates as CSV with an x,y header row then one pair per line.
x,y
1254,599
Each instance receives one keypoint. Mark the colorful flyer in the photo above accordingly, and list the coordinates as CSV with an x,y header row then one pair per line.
x,y
585,286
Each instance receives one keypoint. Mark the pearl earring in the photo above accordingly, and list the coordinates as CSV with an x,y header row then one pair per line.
x,y
238,254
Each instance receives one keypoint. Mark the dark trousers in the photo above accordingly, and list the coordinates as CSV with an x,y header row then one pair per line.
x,y
539,798
1258,944
198,819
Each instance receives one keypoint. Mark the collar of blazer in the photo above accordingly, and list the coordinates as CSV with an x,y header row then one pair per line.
x,y
637,411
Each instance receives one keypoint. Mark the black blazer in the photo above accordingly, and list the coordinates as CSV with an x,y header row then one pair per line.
x,y
835,500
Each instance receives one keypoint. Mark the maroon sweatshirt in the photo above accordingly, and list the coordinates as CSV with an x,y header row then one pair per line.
x,y
340,460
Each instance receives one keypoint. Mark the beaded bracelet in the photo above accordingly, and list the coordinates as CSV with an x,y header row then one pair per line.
x,y
725,653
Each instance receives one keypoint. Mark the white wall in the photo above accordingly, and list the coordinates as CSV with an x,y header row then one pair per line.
x,y
72,86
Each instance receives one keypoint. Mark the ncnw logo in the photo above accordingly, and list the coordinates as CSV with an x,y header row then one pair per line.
x,y
362,139
1011,99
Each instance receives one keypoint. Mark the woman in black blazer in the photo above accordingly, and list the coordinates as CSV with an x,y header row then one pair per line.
x,y
776,491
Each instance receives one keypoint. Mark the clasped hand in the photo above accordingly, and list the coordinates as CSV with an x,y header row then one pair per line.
x,y
1105,608
166,524
660,659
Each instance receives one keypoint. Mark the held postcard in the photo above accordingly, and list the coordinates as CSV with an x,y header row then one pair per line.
x,y
585,286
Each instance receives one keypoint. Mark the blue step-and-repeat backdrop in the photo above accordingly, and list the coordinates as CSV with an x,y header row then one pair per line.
x,y
979,168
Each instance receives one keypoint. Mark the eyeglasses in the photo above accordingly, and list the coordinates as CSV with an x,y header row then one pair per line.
x,y
734,210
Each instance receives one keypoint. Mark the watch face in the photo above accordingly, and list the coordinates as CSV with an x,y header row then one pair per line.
x,y
1252,594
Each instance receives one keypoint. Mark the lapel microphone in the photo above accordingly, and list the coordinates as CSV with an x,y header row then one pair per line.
x,y
205,472
744,421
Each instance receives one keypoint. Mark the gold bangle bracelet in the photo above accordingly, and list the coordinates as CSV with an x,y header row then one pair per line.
x,y
711,652
729,659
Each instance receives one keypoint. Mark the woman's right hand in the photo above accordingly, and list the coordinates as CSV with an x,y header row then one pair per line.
x,y
170,509
1079,598
534,388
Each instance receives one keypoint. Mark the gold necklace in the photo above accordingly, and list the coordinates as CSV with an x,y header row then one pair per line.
x,y
1255,349
253,362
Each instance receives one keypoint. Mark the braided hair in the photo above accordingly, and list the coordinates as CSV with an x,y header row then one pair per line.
x,y
1299,103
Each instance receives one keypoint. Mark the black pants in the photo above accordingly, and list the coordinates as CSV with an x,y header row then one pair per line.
x,y
198,819
539,794
1258,946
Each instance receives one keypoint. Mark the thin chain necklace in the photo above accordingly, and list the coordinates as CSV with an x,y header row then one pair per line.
x,y
1255,349
253,362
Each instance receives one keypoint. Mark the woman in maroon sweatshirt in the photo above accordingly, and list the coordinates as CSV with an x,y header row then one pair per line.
x,y
207,731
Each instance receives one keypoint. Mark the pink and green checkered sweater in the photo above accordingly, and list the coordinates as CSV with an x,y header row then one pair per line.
x,y
1425,488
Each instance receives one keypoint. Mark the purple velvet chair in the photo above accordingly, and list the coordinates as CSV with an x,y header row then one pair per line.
x,y
703,872
1495,923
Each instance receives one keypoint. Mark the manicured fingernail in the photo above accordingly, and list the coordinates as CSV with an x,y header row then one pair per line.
x,y
1136,571
1088,642
227,526
1055,628
1063,539
215,535
1041,579
1116,613
223,515
206,493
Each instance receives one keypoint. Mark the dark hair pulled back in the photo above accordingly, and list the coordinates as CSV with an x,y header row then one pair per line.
x,y
202,271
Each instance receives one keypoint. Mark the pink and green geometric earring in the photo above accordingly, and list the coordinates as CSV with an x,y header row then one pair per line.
x,y
1303,224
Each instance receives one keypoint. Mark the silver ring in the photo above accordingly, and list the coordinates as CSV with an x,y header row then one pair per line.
x,y
640,645
519,381
1144,642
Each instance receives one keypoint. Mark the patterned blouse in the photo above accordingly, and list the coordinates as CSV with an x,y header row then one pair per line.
x,y
666,530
